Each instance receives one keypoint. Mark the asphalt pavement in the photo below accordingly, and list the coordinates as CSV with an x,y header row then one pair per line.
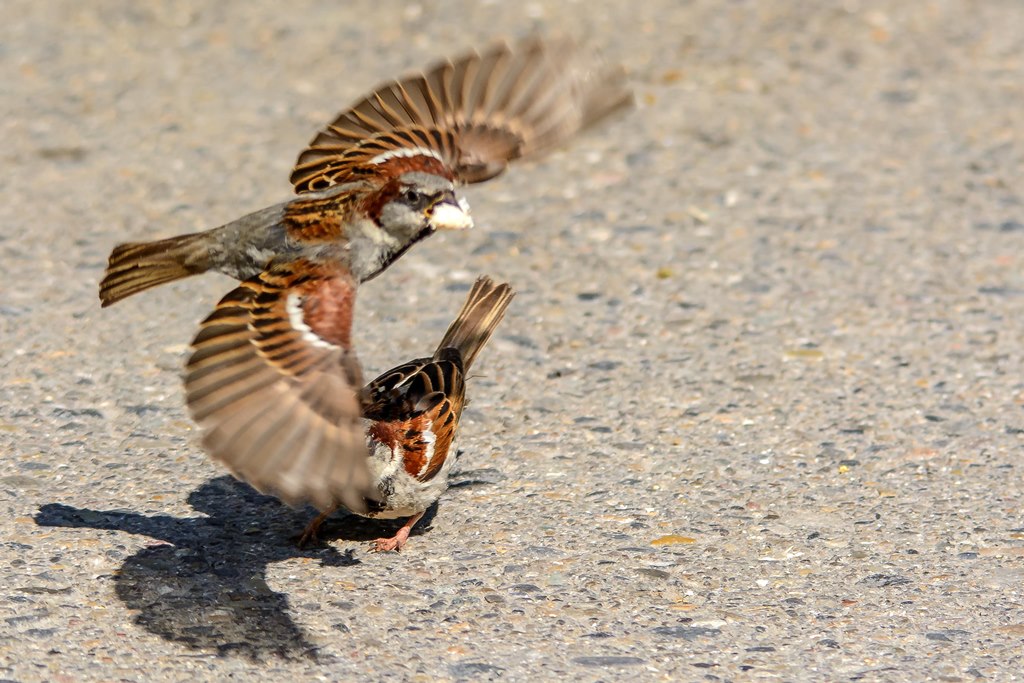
x,y
756,413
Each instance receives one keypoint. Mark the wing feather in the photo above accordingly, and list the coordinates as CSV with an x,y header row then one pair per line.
x,y
478,112
275,395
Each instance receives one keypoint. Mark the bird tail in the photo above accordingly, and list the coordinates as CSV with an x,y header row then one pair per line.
x,y
480,316
137,266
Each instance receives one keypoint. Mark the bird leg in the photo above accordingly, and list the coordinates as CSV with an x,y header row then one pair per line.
x,y
382,545
309,535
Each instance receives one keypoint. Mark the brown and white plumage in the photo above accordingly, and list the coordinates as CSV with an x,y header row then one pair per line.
x,y
461,121
363,226
272,381
412,414
271,378
477,112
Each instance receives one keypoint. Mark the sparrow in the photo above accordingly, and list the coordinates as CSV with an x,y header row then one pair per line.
x,y
273,379
412,412
383,175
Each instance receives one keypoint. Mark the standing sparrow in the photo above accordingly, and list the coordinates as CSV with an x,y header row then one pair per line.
x,y
383,174
412,414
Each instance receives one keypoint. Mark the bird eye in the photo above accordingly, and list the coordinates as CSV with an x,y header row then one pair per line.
x,y
412,197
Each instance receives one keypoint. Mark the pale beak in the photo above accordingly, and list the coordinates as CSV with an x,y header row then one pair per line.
x,y
451,214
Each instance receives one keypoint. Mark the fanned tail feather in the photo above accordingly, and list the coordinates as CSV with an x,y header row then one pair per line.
x,y
137,266
480,316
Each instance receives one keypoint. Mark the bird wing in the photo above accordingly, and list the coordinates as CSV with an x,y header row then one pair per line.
x,y
411,388
476,113
271,380
426,398
421,402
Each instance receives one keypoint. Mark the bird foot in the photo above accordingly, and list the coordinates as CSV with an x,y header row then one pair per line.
x,y
383,545
309,536
396,542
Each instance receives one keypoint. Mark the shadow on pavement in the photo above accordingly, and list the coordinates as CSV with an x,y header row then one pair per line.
x,y
205,585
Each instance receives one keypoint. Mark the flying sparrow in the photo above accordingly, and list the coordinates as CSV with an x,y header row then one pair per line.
x,y
412,413
383,174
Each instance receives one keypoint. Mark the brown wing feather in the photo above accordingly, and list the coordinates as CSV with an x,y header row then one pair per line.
x,y
394,394
271,379
444,422
477,112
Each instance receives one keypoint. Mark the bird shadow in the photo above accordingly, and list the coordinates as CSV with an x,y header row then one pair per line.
x,y
203,584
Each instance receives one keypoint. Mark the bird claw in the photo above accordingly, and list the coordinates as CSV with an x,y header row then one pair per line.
x,y
308,537
383,545
396,542
311,535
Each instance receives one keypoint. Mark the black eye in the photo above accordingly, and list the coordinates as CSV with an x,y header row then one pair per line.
x,y
412,197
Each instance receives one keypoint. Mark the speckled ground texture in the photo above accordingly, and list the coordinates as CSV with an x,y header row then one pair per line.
x,y
756,414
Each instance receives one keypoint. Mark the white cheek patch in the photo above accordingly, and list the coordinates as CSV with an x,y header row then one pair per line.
x,y
295,316
451,217
405,152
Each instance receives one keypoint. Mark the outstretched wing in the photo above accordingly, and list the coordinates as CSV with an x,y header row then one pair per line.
x,y
272,381
476,113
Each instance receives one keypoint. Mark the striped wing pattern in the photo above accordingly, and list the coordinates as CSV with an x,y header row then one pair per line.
x,y
271,379
477,113
426,396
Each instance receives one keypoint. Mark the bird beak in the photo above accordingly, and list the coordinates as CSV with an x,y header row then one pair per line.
x,y
450,213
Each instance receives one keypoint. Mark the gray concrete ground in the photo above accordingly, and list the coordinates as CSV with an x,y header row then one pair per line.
x,y
756,413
